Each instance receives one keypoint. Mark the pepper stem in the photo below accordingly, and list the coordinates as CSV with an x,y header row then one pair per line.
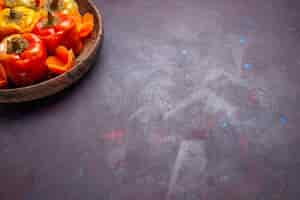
x,y
17,45
51,18
13,14
54,4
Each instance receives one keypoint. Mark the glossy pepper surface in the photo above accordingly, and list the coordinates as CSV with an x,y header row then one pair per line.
x,y
62,61
3,77
68,7
54,29
26,3
2,4
17,20
24,58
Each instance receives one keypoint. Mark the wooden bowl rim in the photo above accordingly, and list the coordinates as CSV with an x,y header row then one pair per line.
x,y
88,54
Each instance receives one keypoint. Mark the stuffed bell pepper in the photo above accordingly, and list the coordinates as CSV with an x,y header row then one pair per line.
x,y
17,20
84,24
55,30
68,7
24,58
40,39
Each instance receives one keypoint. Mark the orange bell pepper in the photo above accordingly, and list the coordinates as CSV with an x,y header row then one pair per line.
x,y
87,25
3,77
63,60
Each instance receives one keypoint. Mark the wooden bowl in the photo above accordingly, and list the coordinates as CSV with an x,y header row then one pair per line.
x,y
58,83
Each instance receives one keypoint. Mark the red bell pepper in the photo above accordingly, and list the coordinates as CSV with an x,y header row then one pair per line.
x,y
73,41
23,57
54,29
2,4
86,26
3,77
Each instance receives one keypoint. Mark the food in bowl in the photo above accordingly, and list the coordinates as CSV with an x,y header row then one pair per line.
x,y
40,39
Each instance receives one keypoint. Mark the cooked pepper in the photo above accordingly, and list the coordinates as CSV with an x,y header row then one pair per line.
x,y
86,25
62,61
17,20
26,3
2,4
68,7
53,29
3,77
73,41
23,57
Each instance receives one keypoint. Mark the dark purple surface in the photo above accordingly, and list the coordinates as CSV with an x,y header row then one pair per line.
x,y
189,100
